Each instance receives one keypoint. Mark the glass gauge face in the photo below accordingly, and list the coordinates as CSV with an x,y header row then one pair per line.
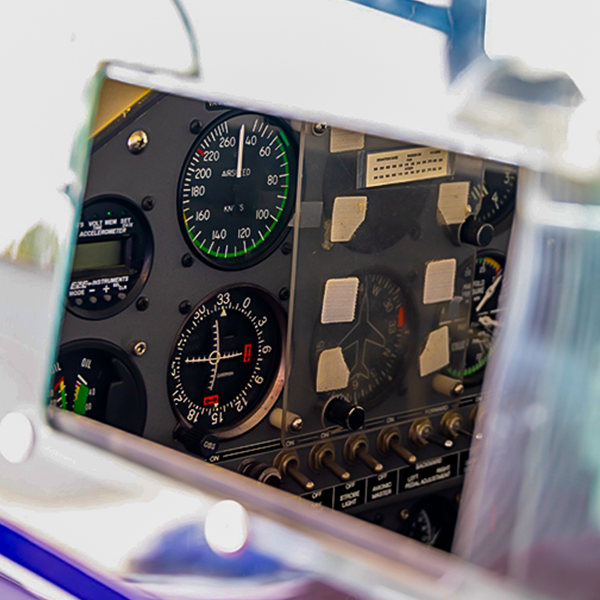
x,y
237,189
227,366
393,211
498,193
377,344
431,522
98,380
112,260
484,318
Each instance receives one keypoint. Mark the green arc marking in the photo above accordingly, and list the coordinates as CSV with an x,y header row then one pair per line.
x,y
249,248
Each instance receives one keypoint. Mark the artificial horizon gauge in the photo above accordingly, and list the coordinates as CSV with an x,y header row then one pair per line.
x,y
227,365
378,343
498,193
113,257
484,295
237,189
97,379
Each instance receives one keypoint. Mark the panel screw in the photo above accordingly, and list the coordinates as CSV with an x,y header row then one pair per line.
x,y
412,276
284,294
286,249
139,348
148,203
142,303
378,519
195,127
187,260
319,128
185,306
404,514
137,141
415,232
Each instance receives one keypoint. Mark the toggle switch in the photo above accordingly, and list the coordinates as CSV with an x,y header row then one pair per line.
x,y
322,456
421,433
390,440
287,462
260,472
357,448
452,425
340,411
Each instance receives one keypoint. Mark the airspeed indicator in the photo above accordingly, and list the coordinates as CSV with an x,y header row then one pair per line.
x,y
237,188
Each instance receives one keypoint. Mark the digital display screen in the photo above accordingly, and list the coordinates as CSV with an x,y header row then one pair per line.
x,y
98,255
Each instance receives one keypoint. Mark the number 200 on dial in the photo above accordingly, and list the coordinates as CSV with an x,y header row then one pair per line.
x,y
237,189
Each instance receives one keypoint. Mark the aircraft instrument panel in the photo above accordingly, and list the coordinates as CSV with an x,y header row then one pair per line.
x,y
311,307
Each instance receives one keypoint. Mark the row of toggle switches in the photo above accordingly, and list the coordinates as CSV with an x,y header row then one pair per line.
x,y
322,456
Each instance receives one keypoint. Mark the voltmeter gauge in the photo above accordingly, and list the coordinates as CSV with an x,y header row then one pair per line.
x,y
237,189
227,364
113,257
378,344
484,292
97,379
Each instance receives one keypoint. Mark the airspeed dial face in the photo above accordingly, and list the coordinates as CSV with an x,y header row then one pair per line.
x,y
226,368
236,193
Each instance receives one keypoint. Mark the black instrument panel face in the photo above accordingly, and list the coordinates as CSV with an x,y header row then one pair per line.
x,y
180,306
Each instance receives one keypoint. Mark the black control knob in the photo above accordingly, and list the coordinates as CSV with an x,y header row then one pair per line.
x,y
197,442
476,234
340,411
260,472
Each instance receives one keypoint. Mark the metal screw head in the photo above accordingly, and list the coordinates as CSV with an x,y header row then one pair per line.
x,y
296,424
195,127
142,303
137,141
412,276
404,514
284,294
139,348
319,128
187,260
148,203
286,249
185,307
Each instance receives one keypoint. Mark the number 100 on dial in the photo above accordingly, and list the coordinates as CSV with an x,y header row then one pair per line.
x,y
237,189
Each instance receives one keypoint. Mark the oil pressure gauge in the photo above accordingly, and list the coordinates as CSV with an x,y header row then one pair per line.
x,y
237,188
97,379
227,364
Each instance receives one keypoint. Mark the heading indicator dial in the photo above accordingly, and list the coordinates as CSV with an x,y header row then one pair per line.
x,y
227,368
237,189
